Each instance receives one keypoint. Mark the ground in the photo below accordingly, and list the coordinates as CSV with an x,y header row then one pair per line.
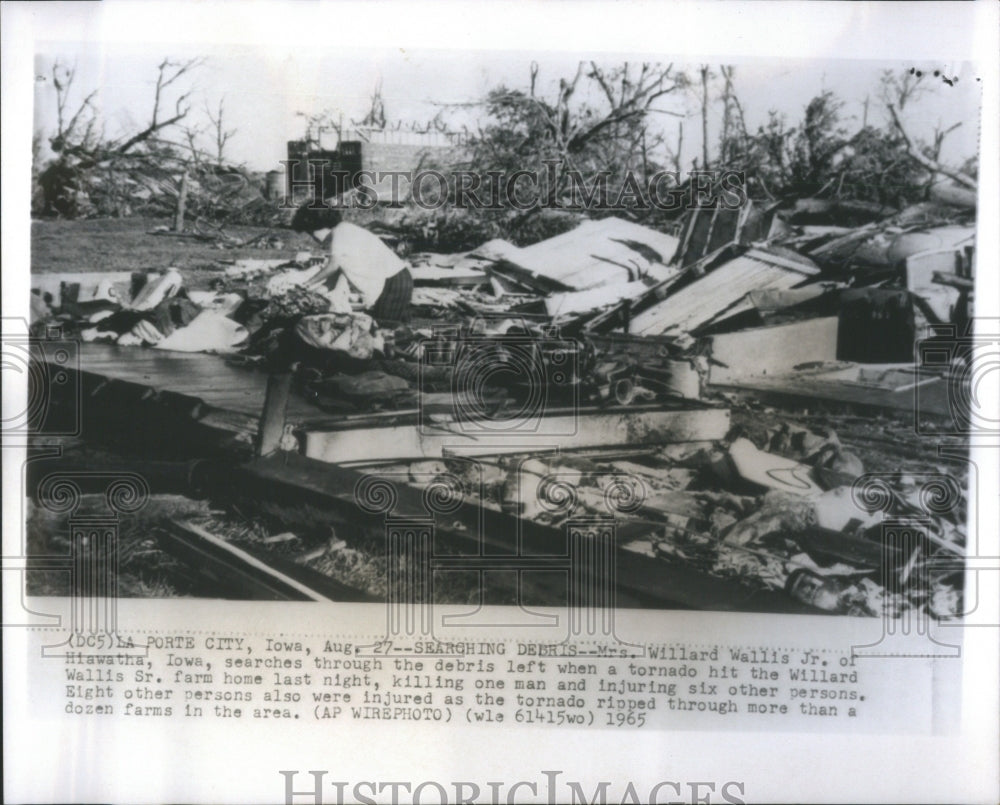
x,y
123,244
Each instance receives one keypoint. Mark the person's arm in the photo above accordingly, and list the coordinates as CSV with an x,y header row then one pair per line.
x,y
329,268
326,272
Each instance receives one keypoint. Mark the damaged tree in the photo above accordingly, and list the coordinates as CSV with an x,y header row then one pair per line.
x,y
155,168
918,156
221,133
590,147
81,150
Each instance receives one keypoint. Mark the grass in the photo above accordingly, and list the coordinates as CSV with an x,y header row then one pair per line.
x,y
144,570
123,244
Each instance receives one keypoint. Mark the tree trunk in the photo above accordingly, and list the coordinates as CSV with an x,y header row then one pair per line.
x,y
181,203
704,118
680,146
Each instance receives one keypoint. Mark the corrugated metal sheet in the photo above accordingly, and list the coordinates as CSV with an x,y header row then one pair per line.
x,y
697,303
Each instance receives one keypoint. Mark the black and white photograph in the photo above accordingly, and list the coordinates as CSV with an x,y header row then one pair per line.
x,y
516,299
541,379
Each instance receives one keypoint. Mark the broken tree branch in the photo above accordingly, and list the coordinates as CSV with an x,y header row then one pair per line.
x,y
169,72
925,161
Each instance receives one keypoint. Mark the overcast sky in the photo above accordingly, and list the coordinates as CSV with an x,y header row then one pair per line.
x,y
264,90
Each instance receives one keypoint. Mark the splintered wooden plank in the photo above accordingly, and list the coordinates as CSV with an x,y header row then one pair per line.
x,y
232,569
294,482
183,380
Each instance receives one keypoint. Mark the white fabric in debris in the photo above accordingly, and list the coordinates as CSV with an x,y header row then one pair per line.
x,y
770,470
207,332
157,289
339,296
353,334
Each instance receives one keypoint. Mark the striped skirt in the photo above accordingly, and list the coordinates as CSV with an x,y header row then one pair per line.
x,y
393,304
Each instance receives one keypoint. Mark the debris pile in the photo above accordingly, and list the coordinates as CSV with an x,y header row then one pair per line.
x,y
778,298
155,184
798,517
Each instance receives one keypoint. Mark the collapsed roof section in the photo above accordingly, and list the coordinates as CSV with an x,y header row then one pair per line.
x,y
609,251
701,300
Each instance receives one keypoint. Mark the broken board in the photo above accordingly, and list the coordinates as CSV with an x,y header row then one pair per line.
x,y
572,431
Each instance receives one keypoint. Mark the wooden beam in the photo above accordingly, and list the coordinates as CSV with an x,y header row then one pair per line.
x,y
272,418
567,432
239,573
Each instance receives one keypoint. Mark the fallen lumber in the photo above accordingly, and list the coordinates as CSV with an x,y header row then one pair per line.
x,y
805,390
293,487
237,572
581,429
962,283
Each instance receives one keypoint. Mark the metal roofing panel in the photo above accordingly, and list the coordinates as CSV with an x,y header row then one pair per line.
x,y
597,253
698,302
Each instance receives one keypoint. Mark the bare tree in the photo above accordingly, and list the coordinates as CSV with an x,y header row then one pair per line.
x,y
897,89
633,100
68,132
192,136
734,125
614,132
900,88
706,74
375,117
76,134
678,150
926,161
82,149
222,134
168,73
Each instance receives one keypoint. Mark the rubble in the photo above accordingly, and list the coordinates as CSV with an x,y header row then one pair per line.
x,y
688,307
351,334
209,331
636,340
607,252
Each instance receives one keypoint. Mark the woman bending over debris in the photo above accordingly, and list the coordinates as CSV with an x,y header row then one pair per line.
x,y
356,255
